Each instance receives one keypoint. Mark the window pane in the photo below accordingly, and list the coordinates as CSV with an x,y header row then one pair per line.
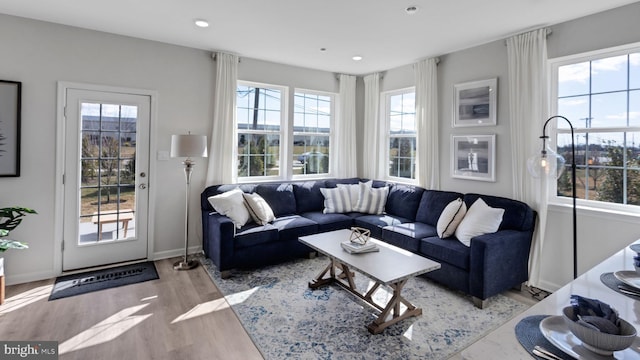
x,y
402,157
258,154
311,151
573,79
634,108
612,187
608,110
564,147
634,71
633,187
574,109
311,155
609,74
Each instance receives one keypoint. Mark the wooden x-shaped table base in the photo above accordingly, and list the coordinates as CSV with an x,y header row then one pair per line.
x,y
345,279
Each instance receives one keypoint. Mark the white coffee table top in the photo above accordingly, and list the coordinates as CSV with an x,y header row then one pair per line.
x,y
389,265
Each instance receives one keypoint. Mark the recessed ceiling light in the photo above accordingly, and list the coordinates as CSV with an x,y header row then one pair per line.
x,y
411,10
357,58
201,23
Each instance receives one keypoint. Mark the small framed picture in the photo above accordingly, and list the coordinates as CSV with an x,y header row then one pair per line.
x,y
474,103
10,104
473,157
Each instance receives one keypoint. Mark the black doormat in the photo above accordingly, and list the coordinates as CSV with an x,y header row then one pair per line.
x,y
82,283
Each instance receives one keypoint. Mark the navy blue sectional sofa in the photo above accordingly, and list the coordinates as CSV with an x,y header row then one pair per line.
x,y
492,263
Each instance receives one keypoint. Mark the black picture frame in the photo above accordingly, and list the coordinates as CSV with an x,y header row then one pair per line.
x,y
10,116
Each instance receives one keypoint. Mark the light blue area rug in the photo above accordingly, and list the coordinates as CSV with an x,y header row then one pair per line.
x,y
286,319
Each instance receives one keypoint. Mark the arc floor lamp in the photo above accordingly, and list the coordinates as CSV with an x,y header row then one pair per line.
x,y
550,164
187,146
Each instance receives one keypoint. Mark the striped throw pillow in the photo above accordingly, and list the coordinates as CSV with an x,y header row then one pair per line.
x,y
372,200
336,200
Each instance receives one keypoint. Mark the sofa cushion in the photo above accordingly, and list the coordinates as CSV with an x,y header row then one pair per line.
x,y
329,222
280,197
253,234
372,200
336,200
446,251
375,223
407,235
451,217
517,215
308,196
219,189
403,201
231,204
293,226
480,219
259,209
433,203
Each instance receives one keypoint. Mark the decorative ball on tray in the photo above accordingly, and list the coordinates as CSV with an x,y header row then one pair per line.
x,y
598,326
359,235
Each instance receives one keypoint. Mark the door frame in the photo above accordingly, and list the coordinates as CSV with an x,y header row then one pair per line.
x,y
60,162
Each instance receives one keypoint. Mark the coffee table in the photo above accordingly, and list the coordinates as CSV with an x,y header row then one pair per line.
x,y
391,266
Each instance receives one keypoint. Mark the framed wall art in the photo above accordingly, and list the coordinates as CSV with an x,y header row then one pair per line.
x,y
473,157
10,105
474,103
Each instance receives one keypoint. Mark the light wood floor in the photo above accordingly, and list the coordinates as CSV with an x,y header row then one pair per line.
x,y
182,315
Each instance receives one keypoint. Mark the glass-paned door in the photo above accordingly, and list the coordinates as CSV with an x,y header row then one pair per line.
x,y
106,156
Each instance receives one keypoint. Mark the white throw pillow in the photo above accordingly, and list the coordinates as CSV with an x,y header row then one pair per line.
x,y
480,219
336,200
354,191
450,218
372,200
259,209
231,204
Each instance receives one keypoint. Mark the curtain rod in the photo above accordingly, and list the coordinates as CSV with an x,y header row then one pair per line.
x,y
214,56
549,32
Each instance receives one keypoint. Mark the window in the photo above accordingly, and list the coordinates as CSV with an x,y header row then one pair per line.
x,y
400,116
312,116
600,95
260,116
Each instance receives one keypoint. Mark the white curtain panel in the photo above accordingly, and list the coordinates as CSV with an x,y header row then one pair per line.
x,y
426,73
222,157
527,59
372,145
345,163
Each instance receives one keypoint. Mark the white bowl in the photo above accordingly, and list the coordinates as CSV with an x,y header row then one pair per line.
x,y
596,341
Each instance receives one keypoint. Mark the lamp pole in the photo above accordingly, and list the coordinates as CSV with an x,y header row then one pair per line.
x,y
544,137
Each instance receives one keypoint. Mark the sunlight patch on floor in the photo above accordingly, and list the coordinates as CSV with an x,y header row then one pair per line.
x,y
23,299
240,297
106,330
203,309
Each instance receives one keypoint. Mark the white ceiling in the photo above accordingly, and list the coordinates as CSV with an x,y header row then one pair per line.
x,y
293,31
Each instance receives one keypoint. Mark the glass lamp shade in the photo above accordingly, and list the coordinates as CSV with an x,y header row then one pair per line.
x,y
188,146
547,163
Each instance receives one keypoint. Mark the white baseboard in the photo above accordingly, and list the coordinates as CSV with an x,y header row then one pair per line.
x,y
175,253
30,277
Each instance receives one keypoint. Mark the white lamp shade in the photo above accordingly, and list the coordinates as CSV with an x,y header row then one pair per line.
x,y
188,146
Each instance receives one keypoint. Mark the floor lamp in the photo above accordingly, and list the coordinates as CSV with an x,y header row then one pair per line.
x,y
187,146
550,164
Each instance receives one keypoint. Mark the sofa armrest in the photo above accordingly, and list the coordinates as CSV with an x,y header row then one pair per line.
x,y
218,232
498,262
